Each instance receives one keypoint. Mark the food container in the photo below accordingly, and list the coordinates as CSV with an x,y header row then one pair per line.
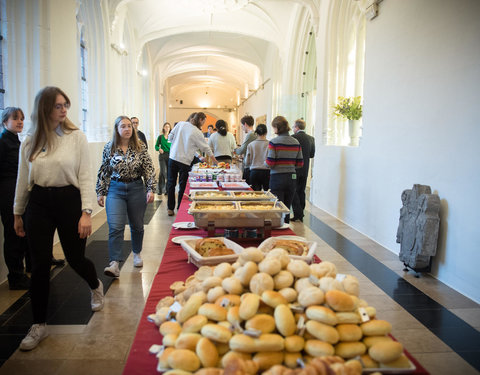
x,y
253,195
204,185
269,244
198,260
211,195
238,214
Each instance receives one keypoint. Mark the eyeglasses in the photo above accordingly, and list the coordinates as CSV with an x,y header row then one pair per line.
x,y
60,106
135,122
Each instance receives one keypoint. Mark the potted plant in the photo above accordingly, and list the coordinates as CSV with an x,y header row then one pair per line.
x,y
350,109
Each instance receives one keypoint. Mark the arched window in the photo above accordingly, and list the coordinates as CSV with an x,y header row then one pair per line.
x,y
83,77
345,67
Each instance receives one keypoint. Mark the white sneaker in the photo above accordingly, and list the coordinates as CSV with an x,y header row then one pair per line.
x,y
137,260
36,334
97,298
112,270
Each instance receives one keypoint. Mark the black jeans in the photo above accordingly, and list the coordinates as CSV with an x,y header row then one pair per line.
x,y
260,179
283,185
181,170
51,209
15,248
298,203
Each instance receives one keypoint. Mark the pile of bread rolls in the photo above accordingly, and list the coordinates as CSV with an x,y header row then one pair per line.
x,y
268,310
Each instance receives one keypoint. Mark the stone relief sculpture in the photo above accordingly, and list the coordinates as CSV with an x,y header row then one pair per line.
x,y
418,227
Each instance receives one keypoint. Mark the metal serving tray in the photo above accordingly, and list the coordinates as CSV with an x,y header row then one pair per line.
x,y
240,215
211,195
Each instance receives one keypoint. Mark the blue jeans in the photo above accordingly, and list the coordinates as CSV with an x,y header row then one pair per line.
x,y
283,185
125,199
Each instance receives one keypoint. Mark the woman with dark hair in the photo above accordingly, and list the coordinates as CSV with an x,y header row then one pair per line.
x,y
284,155
14,247
163,147
125,162
255,158
187,138
53,190
222,142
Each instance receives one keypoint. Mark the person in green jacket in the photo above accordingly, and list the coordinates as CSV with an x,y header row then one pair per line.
x,y
163,147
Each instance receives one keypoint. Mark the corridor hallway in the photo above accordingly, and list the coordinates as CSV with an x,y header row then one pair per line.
x,y
102,345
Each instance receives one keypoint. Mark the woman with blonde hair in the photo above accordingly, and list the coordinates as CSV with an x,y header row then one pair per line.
x,y
53,190
125,161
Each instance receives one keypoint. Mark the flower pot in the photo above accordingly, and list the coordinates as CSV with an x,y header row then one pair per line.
x,y
354,132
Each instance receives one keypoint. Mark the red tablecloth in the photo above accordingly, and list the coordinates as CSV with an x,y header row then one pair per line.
x,y
174,267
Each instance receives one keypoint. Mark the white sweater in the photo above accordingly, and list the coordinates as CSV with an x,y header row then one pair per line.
x,y
186,140
67,164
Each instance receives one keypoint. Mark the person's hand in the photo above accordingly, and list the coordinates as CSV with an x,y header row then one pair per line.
x,y
202,159
18,225
161,151
101,200
85,225
150,197
214,161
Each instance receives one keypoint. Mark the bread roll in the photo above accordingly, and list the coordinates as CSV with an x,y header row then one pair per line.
x,y
223,270
216,333
298,268
350,349
170,339
242,343
233,315
177,371
187,341
214,293
222,347
322,331
349,332
376,328
348,318
265,360
329,283
233,355
207,352
294,343
372,340
190,308
261,282
269,342
339,301
232,285
261,322
213,312
238,366
229,299
281,255
317,348
251,254
273,299
290,294
323,269
351,285
302,284
283,279
249,306
270,265
290,359
163,359
246,272
284,320
400,362
183,359
209,371
170,327
311,296
321,314
211,282
385,352
368,362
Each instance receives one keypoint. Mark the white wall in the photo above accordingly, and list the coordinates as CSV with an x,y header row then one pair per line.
x,y
420,125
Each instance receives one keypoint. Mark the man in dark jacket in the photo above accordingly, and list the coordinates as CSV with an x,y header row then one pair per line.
x,y
307,143
140,134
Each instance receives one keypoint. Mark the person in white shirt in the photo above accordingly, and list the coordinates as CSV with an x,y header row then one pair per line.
x,y
53,190
186,138
222,142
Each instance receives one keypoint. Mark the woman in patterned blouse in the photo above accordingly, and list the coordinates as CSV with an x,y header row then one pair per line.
x,y
125,162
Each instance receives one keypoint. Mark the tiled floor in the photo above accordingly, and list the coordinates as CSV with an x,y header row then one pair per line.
x,y
102,346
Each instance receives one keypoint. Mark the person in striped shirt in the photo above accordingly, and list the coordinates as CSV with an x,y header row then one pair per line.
x,y
284,156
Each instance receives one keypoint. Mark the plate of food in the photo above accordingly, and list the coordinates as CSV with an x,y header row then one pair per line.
x,y
211,250
297,248
178,240
203,185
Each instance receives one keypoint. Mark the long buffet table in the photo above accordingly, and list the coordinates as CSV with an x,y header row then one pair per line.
x,y
175,267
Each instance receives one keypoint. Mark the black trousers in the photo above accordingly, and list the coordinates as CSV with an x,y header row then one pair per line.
x,y
51,209
15,248
298,203
246,175
260,179
181,170
283,185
